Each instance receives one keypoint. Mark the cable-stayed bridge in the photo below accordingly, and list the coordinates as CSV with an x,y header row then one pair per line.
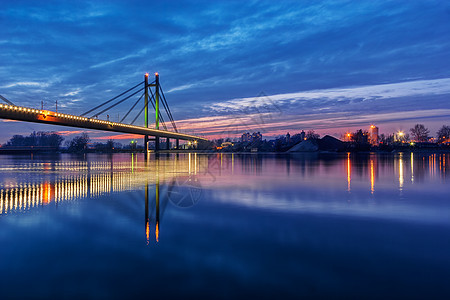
x,y
90,120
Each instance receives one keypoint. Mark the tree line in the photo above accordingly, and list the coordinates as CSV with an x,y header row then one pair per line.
x,y
419,133
52,141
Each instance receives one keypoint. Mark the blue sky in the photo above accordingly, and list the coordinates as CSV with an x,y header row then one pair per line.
x,y
233,66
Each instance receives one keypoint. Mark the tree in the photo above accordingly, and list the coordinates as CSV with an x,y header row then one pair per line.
x,y
16,140
420,133
361,137
79,143
110,144
50,139
443,134
296,138
387,140
311,135
39,139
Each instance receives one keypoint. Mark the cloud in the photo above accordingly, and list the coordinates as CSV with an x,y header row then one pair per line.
x,y
69,132
124,136
72,93
373,92
181,87
25,84
113,61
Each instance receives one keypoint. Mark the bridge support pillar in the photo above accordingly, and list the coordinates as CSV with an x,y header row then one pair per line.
x,y
177,144
168,144
146,143
156,143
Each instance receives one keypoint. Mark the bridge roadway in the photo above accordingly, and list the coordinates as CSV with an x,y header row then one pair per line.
x,y
49,117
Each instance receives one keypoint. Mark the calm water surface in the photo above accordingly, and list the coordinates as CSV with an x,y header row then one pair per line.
x,y
225,226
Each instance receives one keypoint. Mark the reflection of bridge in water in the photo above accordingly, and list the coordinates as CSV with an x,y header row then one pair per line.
x,y
58,182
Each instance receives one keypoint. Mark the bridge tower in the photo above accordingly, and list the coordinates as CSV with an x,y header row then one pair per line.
x,y
146,111
146,114
156,109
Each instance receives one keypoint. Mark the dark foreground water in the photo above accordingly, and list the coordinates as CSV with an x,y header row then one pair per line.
x,y
225,226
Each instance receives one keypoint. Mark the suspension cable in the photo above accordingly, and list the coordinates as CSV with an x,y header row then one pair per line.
x,y
140,112
117,103
159,111
137,116
112,99
126,115
166,106
6,100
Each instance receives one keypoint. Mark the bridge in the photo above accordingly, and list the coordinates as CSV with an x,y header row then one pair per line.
x,y
20,113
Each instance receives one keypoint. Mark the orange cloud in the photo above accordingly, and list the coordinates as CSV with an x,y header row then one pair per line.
x,y
125,136
69,132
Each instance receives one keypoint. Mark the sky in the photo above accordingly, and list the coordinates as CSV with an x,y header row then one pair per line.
x,y
229,67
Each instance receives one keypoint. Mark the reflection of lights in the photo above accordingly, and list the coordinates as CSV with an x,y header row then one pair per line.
x,y
147,230
400,172
349,172
372,177
189,156
443,162
157,232
195,163
47,194
412,167
73,184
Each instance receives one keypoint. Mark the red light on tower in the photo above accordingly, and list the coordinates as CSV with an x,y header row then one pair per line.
x,y
156,74
146,74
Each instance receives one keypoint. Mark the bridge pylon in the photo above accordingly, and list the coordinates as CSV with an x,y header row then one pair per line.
x,y
146,114
146,110
156,110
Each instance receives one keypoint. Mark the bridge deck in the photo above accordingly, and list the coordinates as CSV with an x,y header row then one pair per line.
x,y
49,117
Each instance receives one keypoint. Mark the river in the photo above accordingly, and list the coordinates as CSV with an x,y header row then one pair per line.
x,y
364,226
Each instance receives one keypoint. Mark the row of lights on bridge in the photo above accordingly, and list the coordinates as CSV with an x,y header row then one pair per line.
x,y
45,113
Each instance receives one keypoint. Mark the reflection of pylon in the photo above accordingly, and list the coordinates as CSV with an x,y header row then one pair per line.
x,y
185,192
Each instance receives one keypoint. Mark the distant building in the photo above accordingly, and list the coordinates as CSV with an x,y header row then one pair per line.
x,y
373,135
288,138
226,144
